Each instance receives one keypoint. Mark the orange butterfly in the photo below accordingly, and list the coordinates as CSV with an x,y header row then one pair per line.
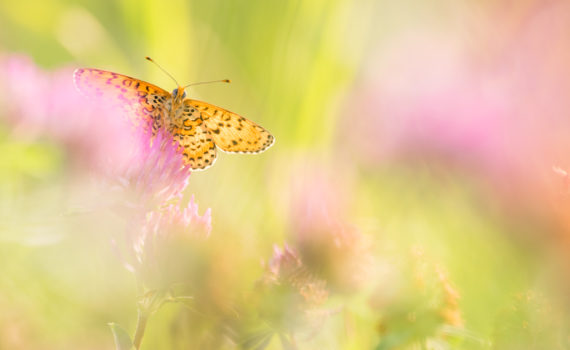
x,y
199,127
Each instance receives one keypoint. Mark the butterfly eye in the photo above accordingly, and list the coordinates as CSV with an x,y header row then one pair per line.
x,y
175,93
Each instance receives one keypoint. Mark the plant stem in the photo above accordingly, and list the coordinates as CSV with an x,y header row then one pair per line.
x,y
141,325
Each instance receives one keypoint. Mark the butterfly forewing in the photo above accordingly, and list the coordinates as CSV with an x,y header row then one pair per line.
x,y
232,132
141,101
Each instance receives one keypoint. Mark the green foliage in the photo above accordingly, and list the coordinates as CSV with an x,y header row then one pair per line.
x,y
121,336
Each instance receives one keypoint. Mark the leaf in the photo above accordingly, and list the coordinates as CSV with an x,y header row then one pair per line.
x,y
257,340
463,334
394,340
121,336
185,300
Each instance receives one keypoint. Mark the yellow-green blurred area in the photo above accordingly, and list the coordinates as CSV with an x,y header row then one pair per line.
x,y
426,129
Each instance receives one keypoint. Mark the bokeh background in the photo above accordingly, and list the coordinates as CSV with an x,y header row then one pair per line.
x,y
418,174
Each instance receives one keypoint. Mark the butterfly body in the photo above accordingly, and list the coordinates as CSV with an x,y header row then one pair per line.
x,y
198,127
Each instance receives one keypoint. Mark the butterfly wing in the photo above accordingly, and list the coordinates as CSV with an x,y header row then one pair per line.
x,y
142,101
193,136
232,132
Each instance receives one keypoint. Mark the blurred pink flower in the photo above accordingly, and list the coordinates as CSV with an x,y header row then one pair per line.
x,y
317,206
284,258
487,98
494,103
146,172
164,241
154,172
161,245
285,267
287,303
328,244
175,219
41,104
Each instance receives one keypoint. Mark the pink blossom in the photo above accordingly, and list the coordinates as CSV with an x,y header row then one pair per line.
x,y
282,259
146,171
288,301
162,234
498,108
328,243
488,98
154,172
286,268
165,243
171,223
94,134
38,103
176,219
318,203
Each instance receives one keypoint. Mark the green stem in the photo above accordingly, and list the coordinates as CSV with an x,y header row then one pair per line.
x,y
141,325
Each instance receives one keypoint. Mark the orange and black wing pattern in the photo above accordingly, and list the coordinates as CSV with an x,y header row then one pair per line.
x,y
141,101
232,132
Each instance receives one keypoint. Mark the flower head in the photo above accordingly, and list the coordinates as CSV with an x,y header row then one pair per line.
x,y
154,173
165,241
38,103
288,300
286,268
329,245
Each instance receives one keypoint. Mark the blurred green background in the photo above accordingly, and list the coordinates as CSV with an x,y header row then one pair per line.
x,y
301,69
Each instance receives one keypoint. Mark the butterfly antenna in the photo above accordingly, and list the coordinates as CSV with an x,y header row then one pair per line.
x,y
162,69
209,82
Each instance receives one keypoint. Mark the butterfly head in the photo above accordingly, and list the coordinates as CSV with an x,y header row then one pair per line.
x,y
178,94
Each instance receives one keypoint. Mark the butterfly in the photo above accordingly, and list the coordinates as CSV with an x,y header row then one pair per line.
x,y
198,127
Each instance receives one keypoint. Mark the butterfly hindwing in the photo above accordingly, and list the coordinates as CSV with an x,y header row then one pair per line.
x,y
232,132
197,145
142,101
